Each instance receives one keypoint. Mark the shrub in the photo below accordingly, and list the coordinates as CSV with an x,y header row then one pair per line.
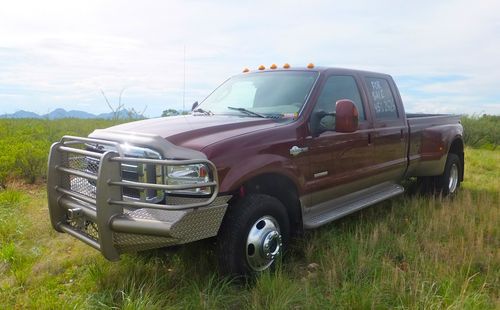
x,y
482,131
25,143
31,160
7,160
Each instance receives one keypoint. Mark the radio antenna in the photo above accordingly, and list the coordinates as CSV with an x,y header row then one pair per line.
x,y
184,84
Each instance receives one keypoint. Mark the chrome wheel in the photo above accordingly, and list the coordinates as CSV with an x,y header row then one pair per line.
x,y
264,243
453,180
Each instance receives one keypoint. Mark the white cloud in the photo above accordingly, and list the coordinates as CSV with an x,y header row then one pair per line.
x,y
60,53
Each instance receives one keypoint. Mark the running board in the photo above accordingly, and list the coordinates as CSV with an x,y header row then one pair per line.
x,y
334,209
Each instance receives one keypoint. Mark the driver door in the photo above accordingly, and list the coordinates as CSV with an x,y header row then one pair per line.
x,y
339,162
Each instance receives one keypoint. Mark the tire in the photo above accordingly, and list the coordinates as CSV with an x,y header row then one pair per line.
x,y
448,183
254,234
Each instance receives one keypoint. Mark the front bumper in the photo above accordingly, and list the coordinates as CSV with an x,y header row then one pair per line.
x,y
86,200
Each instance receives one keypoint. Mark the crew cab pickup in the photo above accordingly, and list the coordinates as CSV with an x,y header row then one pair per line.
x,y
267,154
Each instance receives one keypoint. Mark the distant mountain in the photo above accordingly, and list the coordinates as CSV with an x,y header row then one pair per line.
x,y
62,113
21,114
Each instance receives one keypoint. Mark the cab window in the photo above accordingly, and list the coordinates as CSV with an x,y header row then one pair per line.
x,y
338,87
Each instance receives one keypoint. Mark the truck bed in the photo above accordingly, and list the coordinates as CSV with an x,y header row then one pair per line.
x,y
418,120
428,143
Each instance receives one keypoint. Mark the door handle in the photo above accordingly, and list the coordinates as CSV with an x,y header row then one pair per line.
x,y
369,138
295,150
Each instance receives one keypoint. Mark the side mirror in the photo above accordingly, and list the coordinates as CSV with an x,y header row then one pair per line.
x,y
195,104
346,116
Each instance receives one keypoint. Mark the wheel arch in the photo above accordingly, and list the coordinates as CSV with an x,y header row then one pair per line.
x,y
280,187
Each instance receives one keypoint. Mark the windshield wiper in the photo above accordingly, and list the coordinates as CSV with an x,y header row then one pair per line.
x,y
248,112
205,112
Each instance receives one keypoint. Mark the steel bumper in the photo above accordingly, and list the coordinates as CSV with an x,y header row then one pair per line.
x,y
86,200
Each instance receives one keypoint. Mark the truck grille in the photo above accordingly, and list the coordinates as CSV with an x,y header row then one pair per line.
x,y
145,173
83,164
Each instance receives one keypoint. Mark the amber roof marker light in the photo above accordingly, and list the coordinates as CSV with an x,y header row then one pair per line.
x,y
273,66
262,67
286,66
310,65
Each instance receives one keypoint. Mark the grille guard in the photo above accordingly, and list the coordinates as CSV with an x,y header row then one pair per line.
x,y
119,224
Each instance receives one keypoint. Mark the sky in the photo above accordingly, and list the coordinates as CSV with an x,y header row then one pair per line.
x,y
444,55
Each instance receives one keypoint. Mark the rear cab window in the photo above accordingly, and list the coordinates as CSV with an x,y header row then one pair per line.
x,y
382,98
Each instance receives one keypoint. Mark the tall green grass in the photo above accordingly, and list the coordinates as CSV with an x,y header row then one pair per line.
x,y
409,252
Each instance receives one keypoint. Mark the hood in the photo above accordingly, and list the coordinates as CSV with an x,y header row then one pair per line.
x,y
197,132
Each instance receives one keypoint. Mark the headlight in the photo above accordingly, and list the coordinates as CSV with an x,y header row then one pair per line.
x,y
188,174
134,172
158,174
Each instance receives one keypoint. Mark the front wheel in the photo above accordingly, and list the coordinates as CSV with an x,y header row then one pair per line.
x,y
254,234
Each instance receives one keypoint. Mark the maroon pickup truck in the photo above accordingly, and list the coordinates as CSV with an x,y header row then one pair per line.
x,y
267,154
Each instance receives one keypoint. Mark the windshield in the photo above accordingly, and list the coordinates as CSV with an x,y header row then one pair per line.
x,y
261,94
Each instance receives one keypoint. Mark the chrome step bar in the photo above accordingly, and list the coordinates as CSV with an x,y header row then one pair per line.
x,y
337,208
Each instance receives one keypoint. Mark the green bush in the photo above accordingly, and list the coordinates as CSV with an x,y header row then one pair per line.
x,y
6,163
25,144
31,159
482,131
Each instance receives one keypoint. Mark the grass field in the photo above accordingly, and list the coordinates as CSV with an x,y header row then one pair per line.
x,y
408,252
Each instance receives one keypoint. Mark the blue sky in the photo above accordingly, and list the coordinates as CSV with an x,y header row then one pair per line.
x,y
443,54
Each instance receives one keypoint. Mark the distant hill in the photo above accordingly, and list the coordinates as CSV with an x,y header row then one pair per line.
x,y
21,114
62,113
